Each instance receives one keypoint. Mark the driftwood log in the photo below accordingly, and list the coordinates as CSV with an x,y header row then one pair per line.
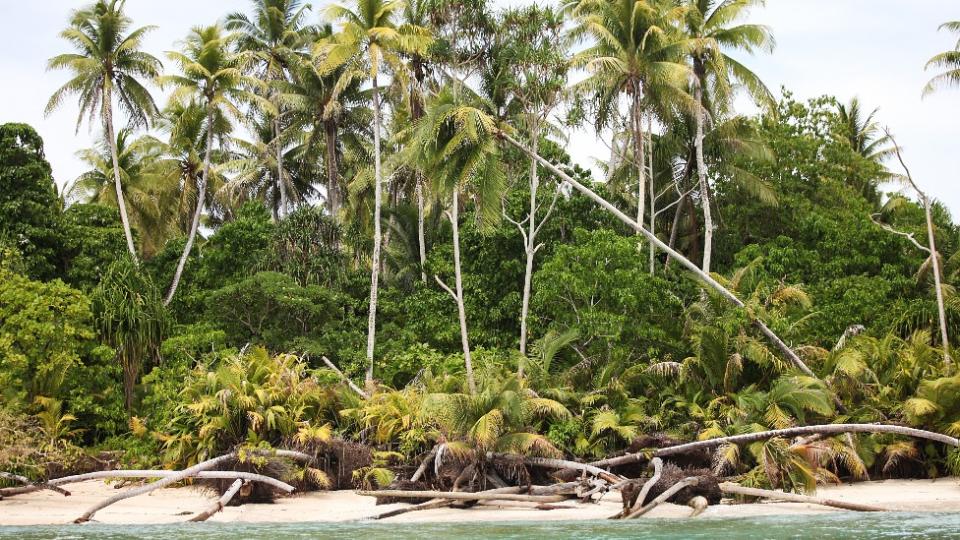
x,y
220,503
567,464
149,473
489,495
26,481
736,489
824,429
425,464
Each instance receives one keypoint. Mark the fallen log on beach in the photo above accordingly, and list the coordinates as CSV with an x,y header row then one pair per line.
x,y
489,495
663,497
567,464
148,473
221,502
29,483
824,429
736,489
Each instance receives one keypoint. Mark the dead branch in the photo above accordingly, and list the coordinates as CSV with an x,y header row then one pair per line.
x,y
344,378
150,473
26,481
489,495
689,481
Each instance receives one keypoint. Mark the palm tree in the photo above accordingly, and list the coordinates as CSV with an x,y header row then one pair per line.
x,y
948,61
212,75
453,141
107,64
708,23
637,52
862,131
147,194
278,37
368,38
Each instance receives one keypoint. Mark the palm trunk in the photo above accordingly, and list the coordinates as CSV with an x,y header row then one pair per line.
x,y
461,309
421,235
702,176
195,223
531,243
638,227
638,157
653,195
333,181
375,260
935,261
121,202
279,157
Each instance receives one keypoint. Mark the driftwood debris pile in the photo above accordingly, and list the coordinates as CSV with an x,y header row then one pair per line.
x,y
656,470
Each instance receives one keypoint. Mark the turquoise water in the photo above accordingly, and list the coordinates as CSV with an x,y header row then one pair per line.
x,y
846,525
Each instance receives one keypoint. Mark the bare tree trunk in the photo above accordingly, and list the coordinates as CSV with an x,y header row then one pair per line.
x,y
458,279
531,242
375,261
147,473
220,503
421,235
688,481
653,195
112,141
935,262
493,494
736,489
673,230
702,177
637,226
279,157
638,157
201,199
333,180
344,378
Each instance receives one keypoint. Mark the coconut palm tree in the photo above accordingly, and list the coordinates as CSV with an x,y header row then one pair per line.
x,y
453,140
711,27
949,61
213,75
107,65
148,195
637,53
278,36
369,37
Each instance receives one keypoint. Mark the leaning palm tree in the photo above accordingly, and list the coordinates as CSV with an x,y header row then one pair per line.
x,y
637,53
949,61
453,141
107,65
213,75
710,25
278,36
147,194
369,37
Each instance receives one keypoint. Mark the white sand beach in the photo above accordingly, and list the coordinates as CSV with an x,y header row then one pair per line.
x,y
178,504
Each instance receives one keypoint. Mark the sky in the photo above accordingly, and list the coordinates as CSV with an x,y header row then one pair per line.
x,y
874,49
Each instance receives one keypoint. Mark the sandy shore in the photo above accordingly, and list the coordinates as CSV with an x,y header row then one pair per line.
x,y
176,505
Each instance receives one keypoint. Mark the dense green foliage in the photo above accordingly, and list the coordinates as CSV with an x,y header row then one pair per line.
x,y
622,345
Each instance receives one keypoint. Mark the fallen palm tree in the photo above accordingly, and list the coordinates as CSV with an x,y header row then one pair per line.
x,y
220,503
147,473
736,489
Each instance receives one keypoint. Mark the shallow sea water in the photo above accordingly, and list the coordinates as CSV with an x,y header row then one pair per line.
x,y
841,525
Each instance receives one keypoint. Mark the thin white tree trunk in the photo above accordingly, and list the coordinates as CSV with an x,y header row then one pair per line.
x,y
375,260
638,226
935,261
333,195
195,223
112,141
279,157
704,185
421,235
653,195
638,157
461,309
530,243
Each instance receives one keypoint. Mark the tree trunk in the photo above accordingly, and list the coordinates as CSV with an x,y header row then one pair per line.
x,y
689,481
653,195
148,473
502,494
195,223
637,226
702,177
220,503
421,235
531,243
638,157
112,141
461,309
935,261
728,487
333,180
375,260
279,157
